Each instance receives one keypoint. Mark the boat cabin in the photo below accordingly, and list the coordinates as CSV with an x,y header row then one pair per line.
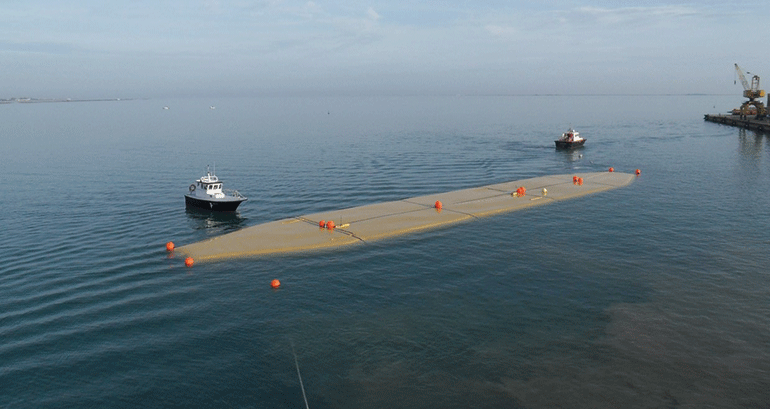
x,y
571,136
210,185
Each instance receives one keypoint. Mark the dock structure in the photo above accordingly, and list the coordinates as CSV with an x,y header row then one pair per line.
x,y
368,223
760,125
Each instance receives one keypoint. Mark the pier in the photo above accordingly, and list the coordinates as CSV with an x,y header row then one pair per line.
x,y
358,225
760,125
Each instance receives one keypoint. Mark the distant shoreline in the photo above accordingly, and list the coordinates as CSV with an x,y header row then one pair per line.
x,y
47,100
25,100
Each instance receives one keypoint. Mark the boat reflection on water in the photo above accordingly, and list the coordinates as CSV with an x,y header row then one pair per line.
x,y
217,222
570,155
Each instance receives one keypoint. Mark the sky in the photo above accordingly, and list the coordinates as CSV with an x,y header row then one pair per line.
x,y
164,48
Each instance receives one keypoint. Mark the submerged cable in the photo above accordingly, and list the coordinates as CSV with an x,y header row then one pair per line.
x,y
299,375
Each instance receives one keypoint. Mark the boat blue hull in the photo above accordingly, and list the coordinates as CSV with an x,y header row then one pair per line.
x,y
217,206
569,145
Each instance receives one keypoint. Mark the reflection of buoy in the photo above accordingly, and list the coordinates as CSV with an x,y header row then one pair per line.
x,y
638,172
275,284
170,246
438,205
322,223
189,262
612,169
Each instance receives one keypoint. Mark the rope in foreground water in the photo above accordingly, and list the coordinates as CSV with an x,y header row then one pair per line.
x,y
296,363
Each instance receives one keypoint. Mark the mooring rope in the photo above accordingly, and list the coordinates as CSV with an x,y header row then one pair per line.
x,y
296,363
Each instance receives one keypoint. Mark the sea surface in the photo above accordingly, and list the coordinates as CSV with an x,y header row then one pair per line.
x,y
655,295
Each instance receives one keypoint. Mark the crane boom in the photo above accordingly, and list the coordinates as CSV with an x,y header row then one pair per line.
x,y
743,79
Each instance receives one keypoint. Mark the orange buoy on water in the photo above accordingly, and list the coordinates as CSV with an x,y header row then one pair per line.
x,y
438,205
612,169
275,284
580,181
170,246
638,172
189,262
322,224
574,179
330,225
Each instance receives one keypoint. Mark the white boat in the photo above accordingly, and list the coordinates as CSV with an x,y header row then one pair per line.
x,y
570,139
207,193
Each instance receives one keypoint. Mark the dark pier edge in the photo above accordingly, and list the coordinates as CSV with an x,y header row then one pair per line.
x,y
759,125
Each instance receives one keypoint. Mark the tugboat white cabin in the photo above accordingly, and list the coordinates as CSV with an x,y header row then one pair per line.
x,y
570,139
207,193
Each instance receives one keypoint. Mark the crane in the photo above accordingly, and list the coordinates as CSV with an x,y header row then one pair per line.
x,y
751,92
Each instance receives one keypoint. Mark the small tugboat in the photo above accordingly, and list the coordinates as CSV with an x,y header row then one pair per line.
x,y
570,139
207,193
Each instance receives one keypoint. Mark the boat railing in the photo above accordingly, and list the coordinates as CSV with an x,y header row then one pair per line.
x,y
235,193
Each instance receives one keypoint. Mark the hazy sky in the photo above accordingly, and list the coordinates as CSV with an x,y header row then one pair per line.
x,y
158,48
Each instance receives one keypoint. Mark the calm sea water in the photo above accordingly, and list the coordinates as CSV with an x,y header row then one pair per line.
x,y
653,295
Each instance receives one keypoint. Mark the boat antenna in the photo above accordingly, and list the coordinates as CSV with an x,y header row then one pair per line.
x,y
299,375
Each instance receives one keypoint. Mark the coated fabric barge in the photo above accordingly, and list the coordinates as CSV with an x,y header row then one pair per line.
x,y
363,224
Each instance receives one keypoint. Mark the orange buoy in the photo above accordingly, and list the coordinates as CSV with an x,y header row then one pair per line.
x,y
189,262
580,181
612,169
275,284
170,246
438,205
322,224
330,225
638,172
574,179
